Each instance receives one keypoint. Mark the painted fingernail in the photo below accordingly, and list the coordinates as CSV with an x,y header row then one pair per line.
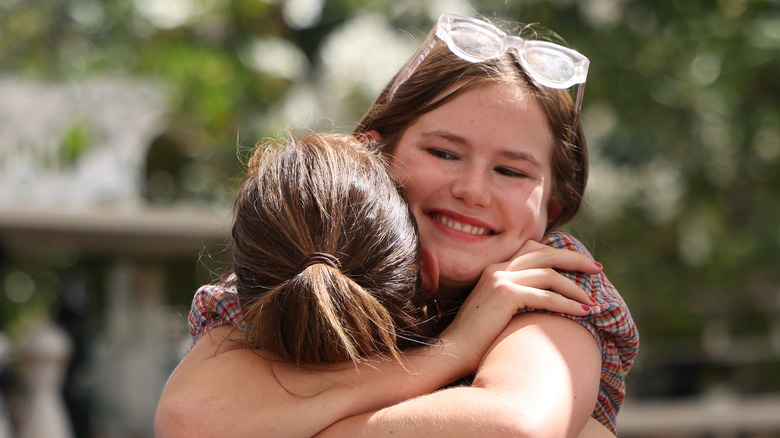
x,y
586,308
599,265
593,300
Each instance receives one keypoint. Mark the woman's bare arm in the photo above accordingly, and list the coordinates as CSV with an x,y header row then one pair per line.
x,y
540,379
220,388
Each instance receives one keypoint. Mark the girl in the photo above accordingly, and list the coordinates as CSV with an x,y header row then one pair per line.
x,y
486,140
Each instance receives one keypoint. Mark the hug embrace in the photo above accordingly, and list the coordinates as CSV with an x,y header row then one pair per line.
x,y
412,278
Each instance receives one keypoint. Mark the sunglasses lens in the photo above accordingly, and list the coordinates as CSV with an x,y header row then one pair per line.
x,y
475,43
549,67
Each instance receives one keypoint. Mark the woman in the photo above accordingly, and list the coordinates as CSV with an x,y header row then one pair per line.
x,y
326,273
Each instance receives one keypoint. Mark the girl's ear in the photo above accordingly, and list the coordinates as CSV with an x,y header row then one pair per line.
x,y
554,209
429,271
370,136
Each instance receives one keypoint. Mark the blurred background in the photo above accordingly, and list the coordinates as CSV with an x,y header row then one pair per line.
x,y
124,125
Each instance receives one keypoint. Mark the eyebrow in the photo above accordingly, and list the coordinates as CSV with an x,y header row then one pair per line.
x,y
463,141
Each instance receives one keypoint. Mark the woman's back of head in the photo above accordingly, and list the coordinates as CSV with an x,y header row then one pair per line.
x,y
326,255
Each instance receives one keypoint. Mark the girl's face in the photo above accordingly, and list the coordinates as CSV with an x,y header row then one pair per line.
x,y
477,175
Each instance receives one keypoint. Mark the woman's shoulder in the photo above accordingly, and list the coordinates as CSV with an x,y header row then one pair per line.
x,y
216,368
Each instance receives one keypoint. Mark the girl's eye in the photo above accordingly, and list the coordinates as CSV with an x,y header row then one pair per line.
x,y
509,172
442,154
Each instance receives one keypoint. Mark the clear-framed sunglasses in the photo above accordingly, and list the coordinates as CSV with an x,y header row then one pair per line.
x,y
548,64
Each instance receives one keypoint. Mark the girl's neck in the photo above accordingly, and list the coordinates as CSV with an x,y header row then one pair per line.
x,y
451,298
447,303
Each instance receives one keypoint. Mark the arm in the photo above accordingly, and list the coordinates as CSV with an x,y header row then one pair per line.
x,y
550,392
216,389
221,387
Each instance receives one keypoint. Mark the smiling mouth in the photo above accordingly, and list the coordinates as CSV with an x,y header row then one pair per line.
x,y
460,226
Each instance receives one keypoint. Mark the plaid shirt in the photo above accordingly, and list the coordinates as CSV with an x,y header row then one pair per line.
x,y
609,322
213,306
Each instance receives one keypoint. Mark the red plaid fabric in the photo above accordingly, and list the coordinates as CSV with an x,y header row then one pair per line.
x,y
213,306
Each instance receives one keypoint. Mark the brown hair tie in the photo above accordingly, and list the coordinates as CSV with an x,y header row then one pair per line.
x,y
320,257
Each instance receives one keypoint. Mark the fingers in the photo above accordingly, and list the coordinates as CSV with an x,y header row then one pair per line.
x,y
541,299
500,294
548,280
509,298
536,255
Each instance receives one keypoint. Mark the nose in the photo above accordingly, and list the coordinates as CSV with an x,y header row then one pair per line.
x,y
471,186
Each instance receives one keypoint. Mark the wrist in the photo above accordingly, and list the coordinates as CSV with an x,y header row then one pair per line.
x,y
465,357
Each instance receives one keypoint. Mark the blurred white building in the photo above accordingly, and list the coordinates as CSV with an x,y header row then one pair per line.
x,y
72,163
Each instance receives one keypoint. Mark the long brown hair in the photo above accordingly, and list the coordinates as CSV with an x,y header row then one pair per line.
x,y
442,70
329,194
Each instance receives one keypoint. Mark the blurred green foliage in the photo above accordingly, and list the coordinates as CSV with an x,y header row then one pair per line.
x,y
681,109
75,142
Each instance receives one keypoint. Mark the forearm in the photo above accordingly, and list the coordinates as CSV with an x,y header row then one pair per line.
x,y
461,412
215,389
385,382
454,412
539,380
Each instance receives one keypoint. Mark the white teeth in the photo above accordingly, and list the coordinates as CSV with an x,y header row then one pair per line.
x,y
455,225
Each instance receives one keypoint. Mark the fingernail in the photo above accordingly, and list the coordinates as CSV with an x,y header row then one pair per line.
x,y
586,308
599,265
593,300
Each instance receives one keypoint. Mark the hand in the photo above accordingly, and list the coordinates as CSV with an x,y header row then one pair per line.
x,y
529,279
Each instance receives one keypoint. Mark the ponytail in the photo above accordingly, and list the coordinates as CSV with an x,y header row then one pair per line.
x,y
335,320
325,254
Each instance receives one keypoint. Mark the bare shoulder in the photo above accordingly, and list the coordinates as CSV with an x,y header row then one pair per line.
x,y
548,368
209,372
543,329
